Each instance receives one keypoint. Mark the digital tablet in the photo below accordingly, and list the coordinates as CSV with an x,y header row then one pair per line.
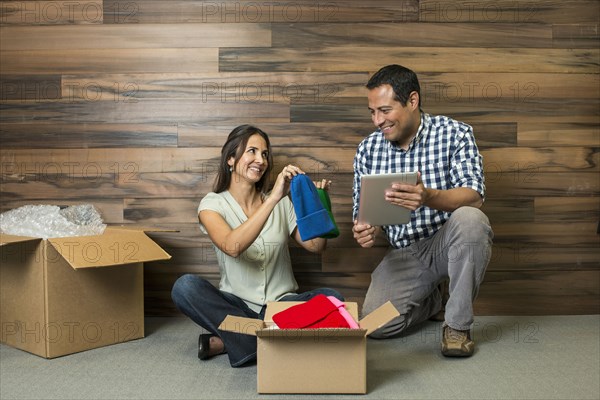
x,y
373,209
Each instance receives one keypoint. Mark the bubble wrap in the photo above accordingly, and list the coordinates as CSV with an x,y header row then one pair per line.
x,y
48,221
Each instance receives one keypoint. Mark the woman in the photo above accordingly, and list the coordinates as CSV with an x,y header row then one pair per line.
x,y
249,230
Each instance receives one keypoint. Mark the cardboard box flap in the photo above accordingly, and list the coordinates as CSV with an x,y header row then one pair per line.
x,y
8,239
114,247
245,326
379,317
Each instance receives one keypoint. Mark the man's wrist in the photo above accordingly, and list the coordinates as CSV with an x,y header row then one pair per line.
x,y
428,196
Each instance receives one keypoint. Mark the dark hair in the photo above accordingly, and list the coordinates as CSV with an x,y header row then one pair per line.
x,y
401,79
234,147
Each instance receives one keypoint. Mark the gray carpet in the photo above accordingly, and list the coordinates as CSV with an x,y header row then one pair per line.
x,y
555,357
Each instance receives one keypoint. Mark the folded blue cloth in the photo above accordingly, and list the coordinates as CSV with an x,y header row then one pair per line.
x,y
312,218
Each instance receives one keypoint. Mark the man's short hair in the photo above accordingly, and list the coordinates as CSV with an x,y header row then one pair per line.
x,y
402,80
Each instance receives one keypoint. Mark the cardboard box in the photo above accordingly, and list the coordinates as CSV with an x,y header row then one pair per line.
x,y
311,360
65,295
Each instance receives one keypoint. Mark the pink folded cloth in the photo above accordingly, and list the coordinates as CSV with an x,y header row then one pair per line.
x,y
344,313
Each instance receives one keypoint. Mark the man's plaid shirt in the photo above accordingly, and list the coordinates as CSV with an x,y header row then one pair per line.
x,y
445,153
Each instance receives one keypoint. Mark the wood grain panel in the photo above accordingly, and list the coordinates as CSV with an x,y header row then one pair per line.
x,y
409,35
547,159
576,35
88,188
531,183
518,255
163,211
73,135
534,111
225,87
38,88
108,60
545,233
559,134
324,87
142,111
40,12
509,209
187,235
350,284
353,260
200,259
520,87
490,60
316,161
248,11
530,12
495,135
567,208
536,293
146,36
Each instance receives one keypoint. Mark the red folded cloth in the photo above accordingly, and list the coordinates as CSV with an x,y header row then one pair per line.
x,y
318,312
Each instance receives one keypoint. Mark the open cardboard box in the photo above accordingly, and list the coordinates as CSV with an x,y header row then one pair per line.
x,y
64,295
322,360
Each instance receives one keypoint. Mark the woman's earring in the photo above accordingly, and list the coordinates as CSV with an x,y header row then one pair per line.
x,y
230,169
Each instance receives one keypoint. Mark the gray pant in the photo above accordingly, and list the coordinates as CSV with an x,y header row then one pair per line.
x,y
460,251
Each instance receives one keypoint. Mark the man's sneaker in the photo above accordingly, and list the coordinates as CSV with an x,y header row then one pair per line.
x,y
457,343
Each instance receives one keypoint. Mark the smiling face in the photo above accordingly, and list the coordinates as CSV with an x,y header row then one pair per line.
x,y
398,122
254,160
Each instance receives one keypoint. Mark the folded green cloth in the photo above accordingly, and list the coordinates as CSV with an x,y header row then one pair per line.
x,y
324,197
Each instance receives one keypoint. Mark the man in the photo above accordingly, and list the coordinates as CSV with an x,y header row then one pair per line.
x,y
448,237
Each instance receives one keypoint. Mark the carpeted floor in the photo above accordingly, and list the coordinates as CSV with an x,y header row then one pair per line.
x,y
551,357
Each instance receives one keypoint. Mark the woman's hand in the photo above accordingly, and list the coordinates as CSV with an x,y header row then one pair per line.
x,y
323,184
282,183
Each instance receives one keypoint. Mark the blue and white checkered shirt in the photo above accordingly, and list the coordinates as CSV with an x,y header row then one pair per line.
x,y
445,153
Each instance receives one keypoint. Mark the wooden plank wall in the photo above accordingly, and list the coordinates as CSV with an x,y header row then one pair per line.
x,y
125,104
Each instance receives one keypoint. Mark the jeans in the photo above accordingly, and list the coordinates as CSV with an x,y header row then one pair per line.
x,y
207,306
460,251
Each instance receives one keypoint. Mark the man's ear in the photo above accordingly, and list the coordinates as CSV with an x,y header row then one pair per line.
x,y
413,100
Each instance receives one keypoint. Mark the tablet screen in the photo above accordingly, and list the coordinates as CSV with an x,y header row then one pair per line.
x,y
373,209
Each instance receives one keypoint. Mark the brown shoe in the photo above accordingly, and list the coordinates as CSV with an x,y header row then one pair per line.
x,y
457,343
